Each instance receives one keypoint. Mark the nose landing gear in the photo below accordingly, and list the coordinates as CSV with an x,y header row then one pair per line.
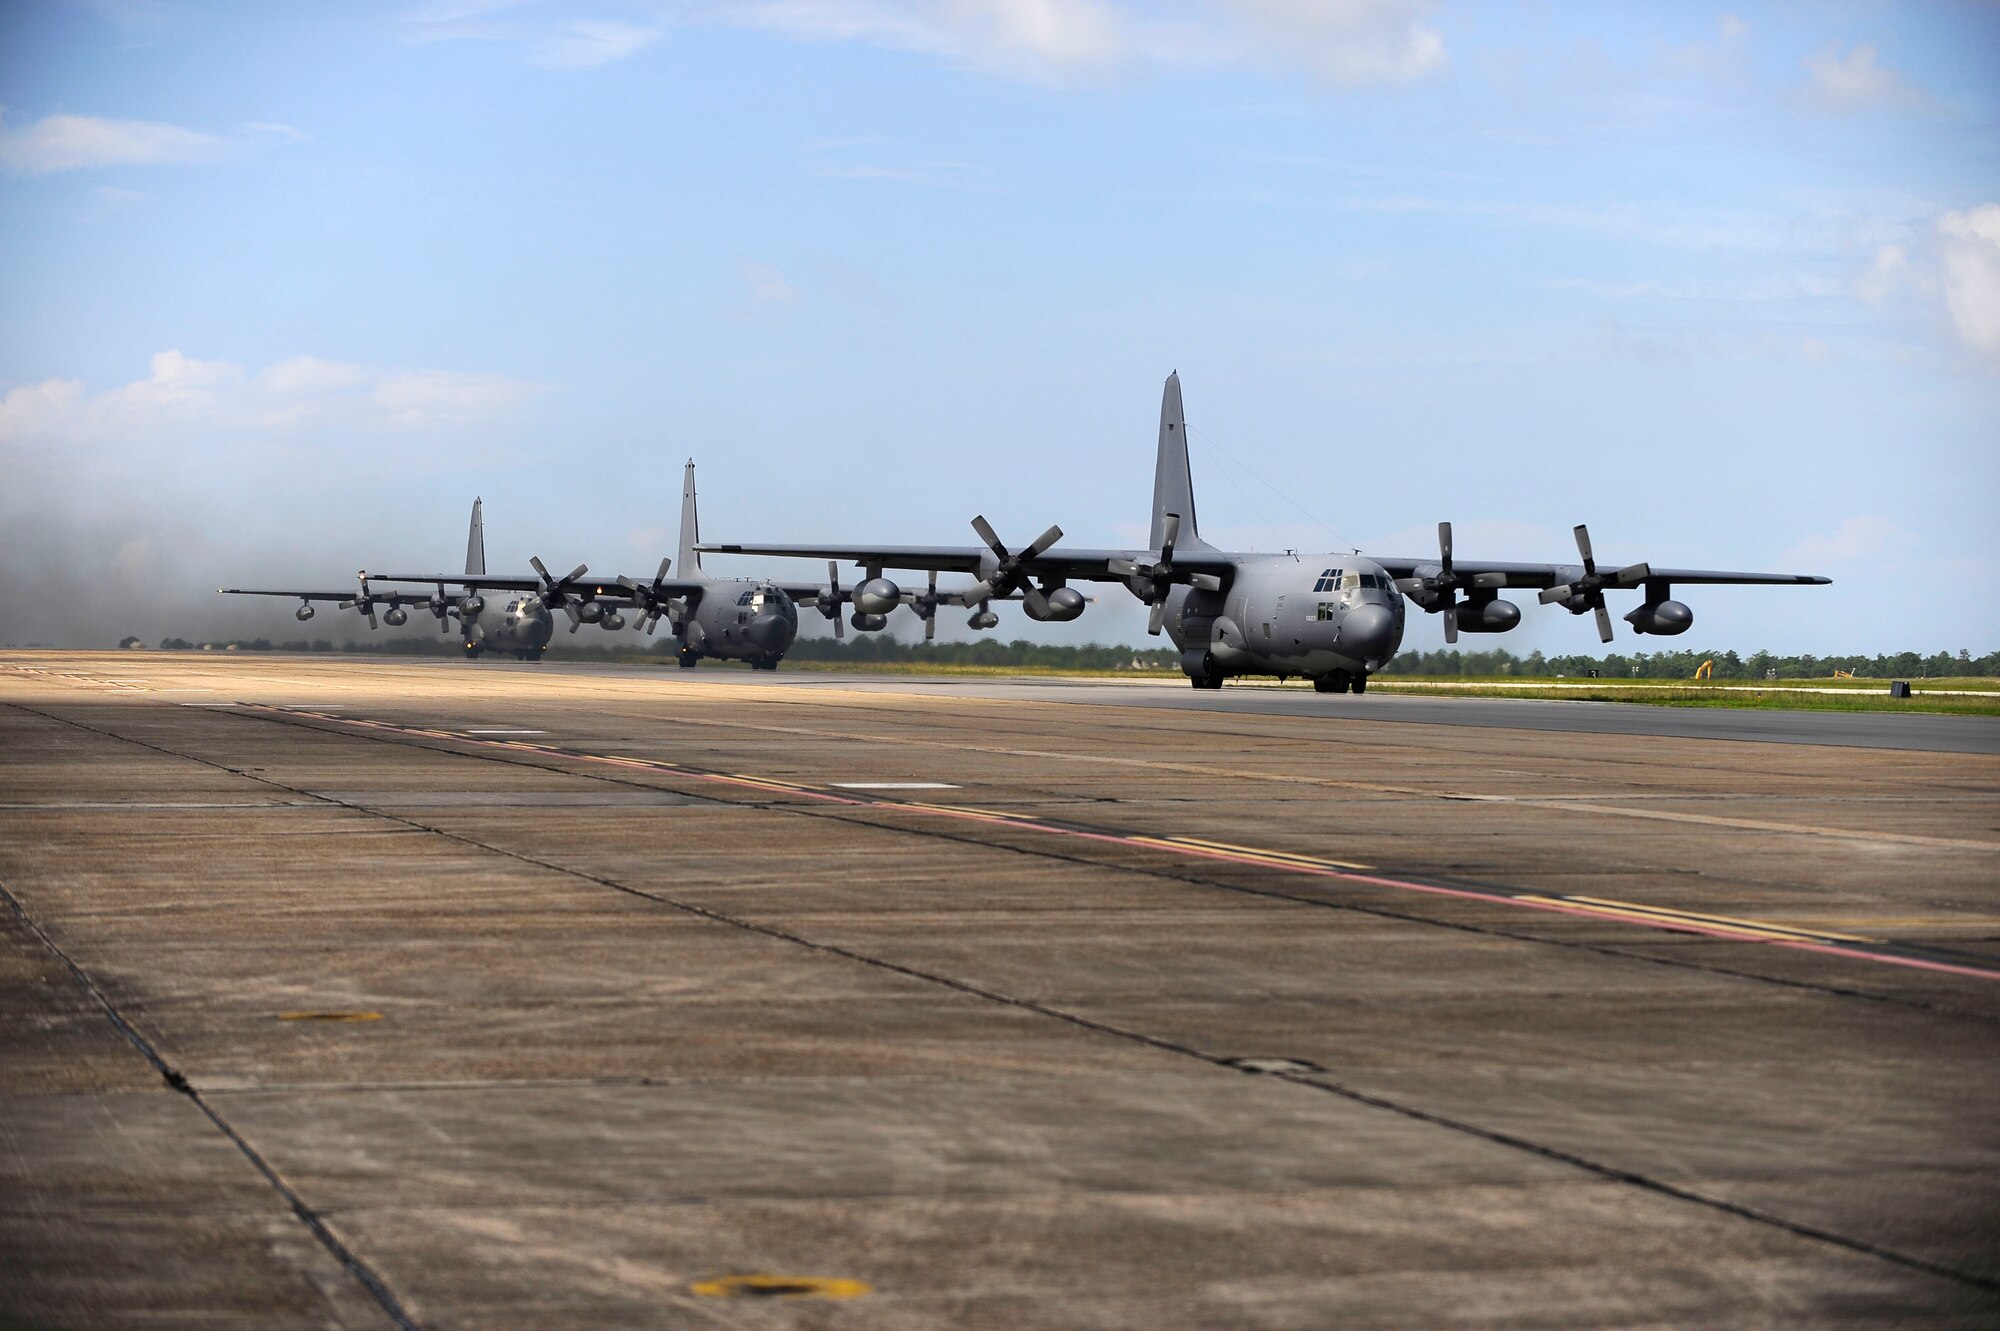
x,y
1340,682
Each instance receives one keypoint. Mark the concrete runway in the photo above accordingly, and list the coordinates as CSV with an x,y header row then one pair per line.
x,y
352,992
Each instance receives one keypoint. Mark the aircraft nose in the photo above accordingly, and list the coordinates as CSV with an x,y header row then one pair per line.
x,y
770,633
1368,633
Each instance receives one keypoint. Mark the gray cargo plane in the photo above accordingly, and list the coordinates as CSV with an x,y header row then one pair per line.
x,y
745,619
520,626
1334,618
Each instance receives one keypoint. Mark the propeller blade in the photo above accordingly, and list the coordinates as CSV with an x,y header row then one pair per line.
x,y
1157,620
665,564
1042,542
369,611
541,568
1583,548
1444,544
1037,603
1632,575
1205,582
988,535
1603,623
1411,586
1550,595
577,572
1124,568
1168,534
833,576
1451,621
1490,580
574,617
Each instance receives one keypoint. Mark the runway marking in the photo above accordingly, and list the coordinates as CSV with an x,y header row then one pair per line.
x,y
892,785
329,1016
500,731
1821,942
780,1287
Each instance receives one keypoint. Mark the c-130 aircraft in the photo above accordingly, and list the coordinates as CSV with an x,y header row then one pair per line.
x,y
1333,618
746,619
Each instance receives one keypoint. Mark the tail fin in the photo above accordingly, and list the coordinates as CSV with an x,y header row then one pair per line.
x,y
1173,484
475,542
688,561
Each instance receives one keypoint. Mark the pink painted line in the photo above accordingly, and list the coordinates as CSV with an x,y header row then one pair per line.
x,y
1194,852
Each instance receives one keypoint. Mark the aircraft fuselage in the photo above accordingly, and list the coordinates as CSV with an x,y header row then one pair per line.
x,y
1335,617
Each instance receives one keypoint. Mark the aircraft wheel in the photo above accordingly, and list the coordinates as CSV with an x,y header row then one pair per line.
x,y
688,659
1337,682
1361,683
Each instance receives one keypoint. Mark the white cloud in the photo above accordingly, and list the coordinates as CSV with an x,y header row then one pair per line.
x,y
1889,274
277,130
216,405
588,43
1853,81
1969,242
768,286
1349,43
74,143
1026,36
1857,538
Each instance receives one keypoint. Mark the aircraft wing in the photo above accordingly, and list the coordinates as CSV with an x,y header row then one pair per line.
x,y
1081,564
1554,575
306,594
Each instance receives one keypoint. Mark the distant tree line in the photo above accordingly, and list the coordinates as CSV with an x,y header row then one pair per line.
x,y
1682,665
881,648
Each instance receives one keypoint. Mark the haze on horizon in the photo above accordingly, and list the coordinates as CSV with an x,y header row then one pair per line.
x,y
286,288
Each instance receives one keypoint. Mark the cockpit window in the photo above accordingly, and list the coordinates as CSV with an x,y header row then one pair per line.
x,y
1328,581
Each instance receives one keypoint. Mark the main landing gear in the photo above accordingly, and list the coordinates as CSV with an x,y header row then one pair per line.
x,y
1340,682
1210,676
688,657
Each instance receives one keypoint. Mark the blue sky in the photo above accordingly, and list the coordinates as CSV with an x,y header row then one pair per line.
x,y
285,287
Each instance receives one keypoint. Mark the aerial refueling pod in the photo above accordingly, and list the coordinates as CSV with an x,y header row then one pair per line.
x,y
611,619
865,622
875,598
1664,618
983,617
396,616
1494,616
303,613
590,612
1064,603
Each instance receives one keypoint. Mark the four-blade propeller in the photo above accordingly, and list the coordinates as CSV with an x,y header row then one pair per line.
x,y
1151,579
830,600
556,592
365,602
652,595
1587,592
1008,575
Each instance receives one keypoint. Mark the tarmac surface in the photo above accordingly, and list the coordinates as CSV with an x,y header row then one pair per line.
x,y
361,992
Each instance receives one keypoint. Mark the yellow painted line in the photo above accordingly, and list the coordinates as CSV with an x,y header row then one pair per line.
x,y
329,1016
1268,854
780,1287
1730,920
958,808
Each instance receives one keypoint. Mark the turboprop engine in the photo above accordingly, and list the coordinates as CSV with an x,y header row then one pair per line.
x,y
1062,604
1664,618
874,599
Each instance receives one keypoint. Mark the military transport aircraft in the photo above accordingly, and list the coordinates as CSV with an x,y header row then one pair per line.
x,y
520,626
1336,618
746,619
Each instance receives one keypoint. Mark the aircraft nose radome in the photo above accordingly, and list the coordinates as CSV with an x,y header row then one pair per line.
x,y
770,632
1366,631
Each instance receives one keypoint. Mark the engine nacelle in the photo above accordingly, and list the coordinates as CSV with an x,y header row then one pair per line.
x,y
395,616
590,612
1065,603
1664,618
303,613
611,619
983,619
868,623
471,606
876,598
1495,616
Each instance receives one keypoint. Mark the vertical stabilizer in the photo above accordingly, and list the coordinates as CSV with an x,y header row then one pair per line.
x,y
475,542
1173,485
688,561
